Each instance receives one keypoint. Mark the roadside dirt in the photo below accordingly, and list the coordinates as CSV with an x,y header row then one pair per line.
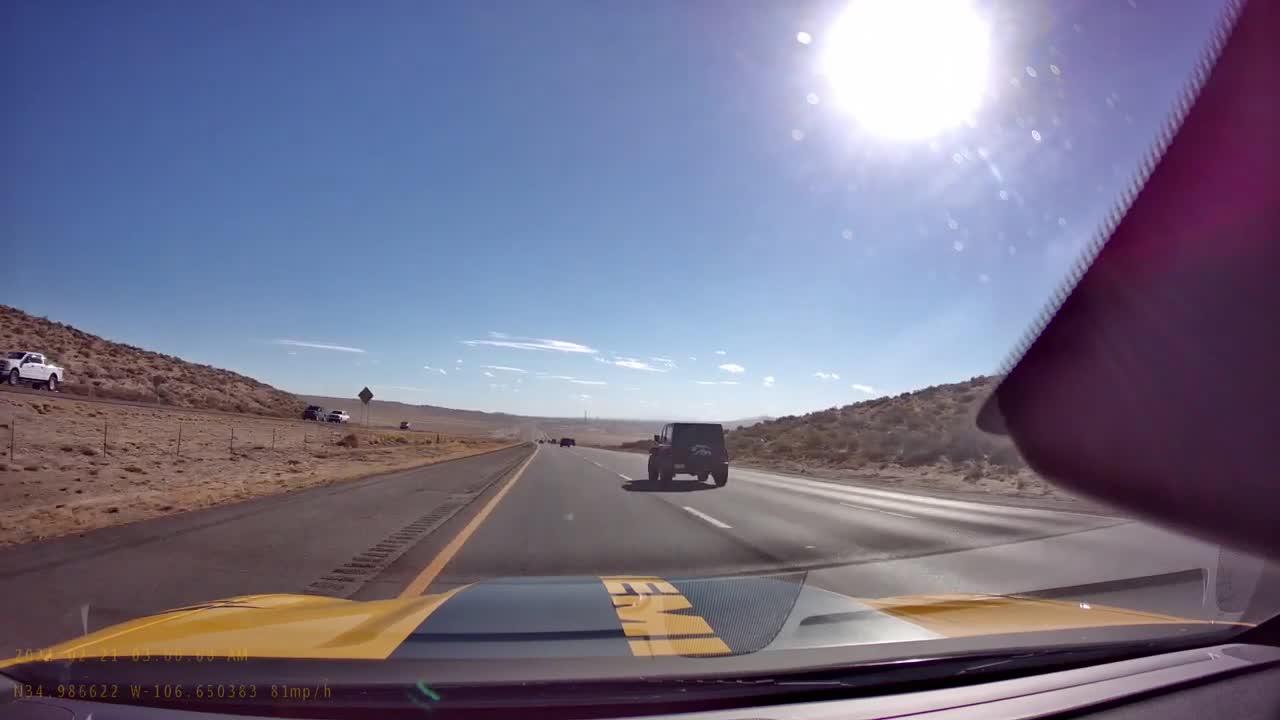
x,y
997,485
59,481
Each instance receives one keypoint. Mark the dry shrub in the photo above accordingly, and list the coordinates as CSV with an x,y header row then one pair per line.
x,y
932,426
140,375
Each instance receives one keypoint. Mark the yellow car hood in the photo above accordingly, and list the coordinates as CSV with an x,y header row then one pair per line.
x,y
575,617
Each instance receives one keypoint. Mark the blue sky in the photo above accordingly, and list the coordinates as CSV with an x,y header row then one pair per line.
x,y
619,207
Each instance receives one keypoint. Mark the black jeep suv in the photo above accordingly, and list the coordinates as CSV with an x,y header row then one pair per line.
x,y
689,449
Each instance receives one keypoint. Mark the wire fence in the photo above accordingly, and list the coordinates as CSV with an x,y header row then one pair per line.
x,y
40,430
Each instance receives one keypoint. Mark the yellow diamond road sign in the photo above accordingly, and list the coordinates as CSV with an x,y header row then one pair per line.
x,y
365,396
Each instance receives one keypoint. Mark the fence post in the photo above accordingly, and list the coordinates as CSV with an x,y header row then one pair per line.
x,y
273,438
437,438
231,447
13,424
179,451
104,438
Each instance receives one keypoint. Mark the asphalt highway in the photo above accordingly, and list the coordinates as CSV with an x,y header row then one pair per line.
x,y
584,511
55,590
543,510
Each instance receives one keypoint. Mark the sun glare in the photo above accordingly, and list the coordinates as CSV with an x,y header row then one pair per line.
x,y
907,69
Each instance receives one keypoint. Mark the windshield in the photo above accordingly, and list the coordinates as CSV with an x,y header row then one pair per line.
x,y
564,230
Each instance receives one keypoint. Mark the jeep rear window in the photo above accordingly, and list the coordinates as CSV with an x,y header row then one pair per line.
x,y
699,435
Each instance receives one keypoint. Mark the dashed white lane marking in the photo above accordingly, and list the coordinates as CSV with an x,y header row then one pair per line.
x,y
602,467
708,518
886,512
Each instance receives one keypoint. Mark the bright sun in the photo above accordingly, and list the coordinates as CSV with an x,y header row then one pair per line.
x,y
907,69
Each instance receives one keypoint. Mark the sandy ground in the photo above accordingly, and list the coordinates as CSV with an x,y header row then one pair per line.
x,y
58,480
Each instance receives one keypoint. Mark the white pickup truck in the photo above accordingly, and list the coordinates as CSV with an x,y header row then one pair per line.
x,y
30,367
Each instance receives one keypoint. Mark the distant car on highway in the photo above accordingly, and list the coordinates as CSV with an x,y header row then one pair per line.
x,y
314,412
21,366
338,416
689,449
567,442
404,425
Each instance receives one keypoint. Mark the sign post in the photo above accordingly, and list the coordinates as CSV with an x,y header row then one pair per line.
x,y
365,396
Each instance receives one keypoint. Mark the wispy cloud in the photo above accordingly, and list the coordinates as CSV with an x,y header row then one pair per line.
x,y
583,396
505,368
633,364
664,362
768,381
497,339
458,361
631,388
442,371
733,368
716,382
864,388
693,359
636,365
572,379
826,376
319,346
721,352
488,374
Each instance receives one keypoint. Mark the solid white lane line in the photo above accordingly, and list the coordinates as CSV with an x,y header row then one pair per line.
x,y
886,512
708,518
832,489
624,477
